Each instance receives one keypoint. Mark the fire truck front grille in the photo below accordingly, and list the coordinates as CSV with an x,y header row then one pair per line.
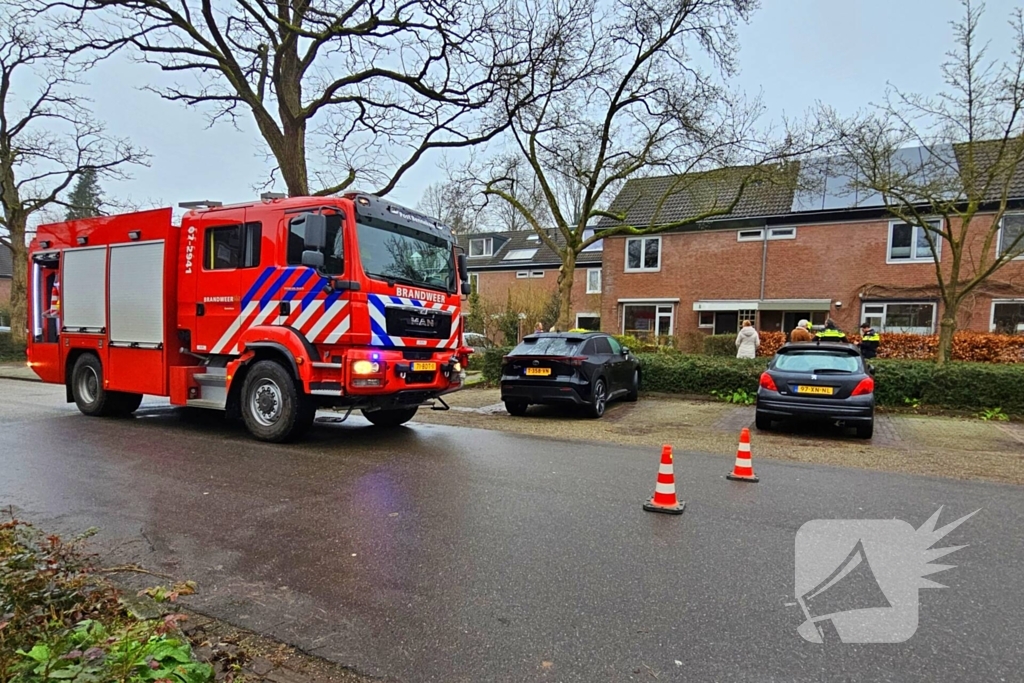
x,y
424,323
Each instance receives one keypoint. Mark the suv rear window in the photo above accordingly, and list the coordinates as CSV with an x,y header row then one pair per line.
x,y
815,359
547,346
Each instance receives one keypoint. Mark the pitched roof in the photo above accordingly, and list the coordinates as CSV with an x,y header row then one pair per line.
x,y
987,154
522,240
6,261
666,199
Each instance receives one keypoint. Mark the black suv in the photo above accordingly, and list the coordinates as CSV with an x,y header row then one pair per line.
x,y
818,381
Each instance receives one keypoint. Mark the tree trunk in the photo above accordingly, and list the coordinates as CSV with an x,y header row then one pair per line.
x,y
565,279
19,282
292,160
947,327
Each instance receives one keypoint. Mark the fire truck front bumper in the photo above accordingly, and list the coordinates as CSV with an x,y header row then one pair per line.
x,y
391,377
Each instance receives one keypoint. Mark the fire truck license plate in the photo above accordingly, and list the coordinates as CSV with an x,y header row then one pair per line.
x,y
538,372
825,391
424,367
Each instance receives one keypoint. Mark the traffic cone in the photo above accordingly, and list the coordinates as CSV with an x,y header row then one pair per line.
x,y
744,468
664,499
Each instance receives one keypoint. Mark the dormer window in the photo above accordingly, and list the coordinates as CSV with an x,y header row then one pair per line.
x,y
482,246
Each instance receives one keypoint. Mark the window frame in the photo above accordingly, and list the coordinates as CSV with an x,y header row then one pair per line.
x,y
591,290
658,313
488,249
882,327
1004,302
913,244
643,250
701,314
245,241
522,274
999,237
790,233
474,282
536,274
588,315
750,235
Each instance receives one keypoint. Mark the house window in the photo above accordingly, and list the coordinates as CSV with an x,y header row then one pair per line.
x,y
909,243
474,282
233,246
643,254
706,319
593,280
483,246
536,273
750,235
588,321
782,234
596,246
522,274
1011,235
647,320
1008,316
902,317
519,255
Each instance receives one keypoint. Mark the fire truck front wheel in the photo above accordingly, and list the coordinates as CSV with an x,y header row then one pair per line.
x,y
272,406
390,418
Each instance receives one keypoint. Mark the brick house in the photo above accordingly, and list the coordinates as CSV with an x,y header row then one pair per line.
x,y
785,254
6,273
521,264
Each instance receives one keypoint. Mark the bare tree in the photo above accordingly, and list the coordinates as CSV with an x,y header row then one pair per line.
x,y
47,140
340,90
451,201
953,194
624,98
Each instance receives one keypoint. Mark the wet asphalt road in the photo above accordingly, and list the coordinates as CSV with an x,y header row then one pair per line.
x,y
442,554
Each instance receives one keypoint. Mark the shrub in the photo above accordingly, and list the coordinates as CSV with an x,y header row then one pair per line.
x,y
976,386
10,350
722,345
691,342
968,346
770,343
491,363
899,380
684,374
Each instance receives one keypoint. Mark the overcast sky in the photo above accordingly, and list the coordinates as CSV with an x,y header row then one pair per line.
x,y
794,52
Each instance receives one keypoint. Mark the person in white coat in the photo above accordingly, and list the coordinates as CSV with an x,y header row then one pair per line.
x,y
747,341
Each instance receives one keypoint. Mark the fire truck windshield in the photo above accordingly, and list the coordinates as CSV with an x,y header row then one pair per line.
x,y
392,252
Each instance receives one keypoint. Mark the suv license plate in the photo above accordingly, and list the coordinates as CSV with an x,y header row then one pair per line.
x,y
538,372
424,367
824,391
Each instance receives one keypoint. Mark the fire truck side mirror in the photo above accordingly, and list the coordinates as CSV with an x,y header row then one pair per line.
x,y
463,269
314,230
313,258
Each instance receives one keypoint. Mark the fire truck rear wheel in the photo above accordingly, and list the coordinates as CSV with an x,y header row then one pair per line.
x,y
390,418
272,406
87,387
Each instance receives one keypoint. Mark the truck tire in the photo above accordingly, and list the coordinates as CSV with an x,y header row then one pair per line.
x,y
273,408
87,387
125,403
390,418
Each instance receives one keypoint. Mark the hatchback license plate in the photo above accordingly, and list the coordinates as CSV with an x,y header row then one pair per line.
x,y
825,391
424,367
538,372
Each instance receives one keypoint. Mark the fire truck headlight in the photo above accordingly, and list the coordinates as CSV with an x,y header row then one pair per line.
x,y
457,366
365,367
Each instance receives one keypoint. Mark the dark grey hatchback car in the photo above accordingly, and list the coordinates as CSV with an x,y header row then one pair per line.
x,y
818,381
587,369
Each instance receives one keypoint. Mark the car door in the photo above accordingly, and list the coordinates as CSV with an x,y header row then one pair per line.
x,y
610,369
623,365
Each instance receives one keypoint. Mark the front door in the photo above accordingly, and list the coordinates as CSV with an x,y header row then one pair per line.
x,y
221,236
727,322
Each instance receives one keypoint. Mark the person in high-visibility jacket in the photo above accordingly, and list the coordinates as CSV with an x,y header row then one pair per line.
x,y
869,340
830,333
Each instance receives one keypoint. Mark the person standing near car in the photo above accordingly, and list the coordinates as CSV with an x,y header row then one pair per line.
x,y
802,332
747,341
869,341
831,333
538,328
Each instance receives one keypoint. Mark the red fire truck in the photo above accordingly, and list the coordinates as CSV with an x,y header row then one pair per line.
x,y
267,310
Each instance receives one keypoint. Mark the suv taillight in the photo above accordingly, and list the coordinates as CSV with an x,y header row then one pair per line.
x,y
767,382
866,386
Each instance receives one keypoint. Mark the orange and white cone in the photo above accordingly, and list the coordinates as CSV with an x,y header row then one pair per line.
x,y
743,470
664,499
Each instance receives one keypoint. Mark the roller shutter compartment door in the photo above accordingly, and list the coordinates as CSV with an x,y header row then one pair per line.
x,y
84,289
137,294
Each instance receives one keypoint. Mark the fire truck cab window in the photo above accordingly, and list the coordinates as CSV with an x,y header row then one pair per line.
x,y
334,252
233,246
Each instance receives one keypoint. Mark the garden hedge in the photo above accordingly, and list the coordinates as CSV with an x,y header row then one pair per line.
x,y
959,386
10,351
